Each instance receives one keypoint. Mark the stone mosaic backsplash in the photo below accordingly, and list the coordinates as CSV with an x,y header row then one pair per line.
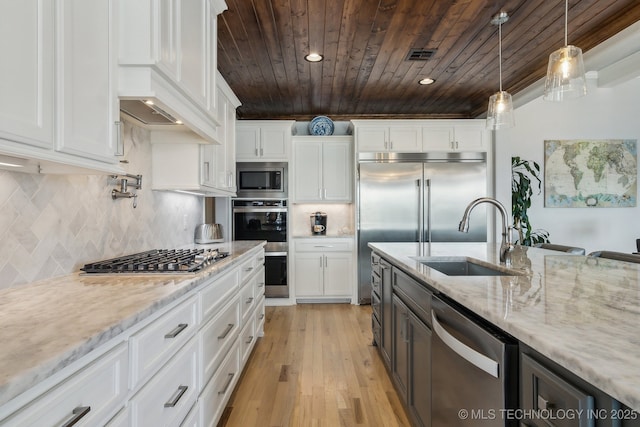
x,y
51,225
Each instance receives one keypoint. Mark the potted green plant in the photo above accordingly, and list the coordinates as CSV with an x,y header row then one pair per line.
x,y
524,175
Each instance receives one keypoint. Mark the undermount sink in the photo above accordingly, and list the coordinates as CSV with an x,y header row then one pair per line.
x,y
461,267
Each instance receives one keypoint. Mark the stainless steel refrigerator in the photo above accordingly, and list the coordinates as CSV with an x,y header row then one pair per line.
x,y
416,197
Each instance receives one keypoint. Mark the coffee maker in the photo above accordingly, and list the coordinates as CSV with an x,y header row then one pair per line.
x,y
319,223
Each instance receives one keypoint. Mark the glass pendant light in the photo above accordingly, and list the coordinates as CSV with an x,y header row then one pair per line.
x,y
565,73
500,113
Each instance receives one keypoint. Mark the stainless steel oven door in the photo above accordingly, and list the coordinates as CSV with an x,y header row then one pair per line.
x,y
260,223
275,274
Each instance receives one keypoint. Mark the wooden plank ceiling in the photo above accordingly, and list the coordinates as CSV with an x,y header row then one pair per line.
x,y
365,43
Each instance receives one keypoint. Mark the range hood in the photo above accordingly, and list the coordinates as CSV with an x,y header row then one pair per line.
x,y
147,113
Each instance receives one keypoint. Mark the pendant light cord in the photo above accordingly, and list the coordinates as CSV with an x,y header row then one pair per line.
x,y
566,22
500,52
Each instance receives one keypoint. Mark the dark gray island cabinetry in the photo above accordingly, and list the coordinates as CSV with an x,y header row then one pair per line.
x,y
574,359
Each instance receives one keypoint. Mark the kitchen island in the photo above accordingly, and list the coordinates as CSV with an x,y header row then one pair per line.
x,y
580,312
50,328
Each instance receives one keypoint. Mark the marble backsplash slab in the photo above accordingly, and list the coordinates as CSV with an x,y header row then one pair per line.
x,y
51,225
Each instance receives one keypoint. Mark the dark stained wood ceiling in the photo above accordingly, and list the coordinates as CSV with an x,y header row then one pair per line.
x,y
365,43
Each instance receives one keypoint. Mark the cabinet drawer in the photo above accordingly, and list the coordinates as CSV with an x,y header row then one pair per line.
x,y
324,245
246,270
259,283
217,392
375,304
91,396
375,283
216,295
413,294
247,339
248,299
217,336
547,392
168,397
153,346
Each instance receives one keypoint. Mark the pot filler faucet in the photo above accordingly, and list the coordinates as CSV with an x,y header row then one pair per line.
x,y
506,247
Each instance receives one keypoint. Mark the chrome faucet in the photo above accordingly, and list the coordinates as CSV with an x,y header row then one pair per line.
x,y
506,247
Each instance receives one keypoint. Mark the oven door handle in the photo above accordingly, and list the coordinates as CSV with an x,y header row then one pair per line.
x,y
266,209
275,254
477,359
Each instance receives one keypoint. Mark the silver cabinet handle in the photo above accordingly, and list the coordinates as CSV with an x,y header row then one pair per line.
x,y
325,260
322,246
119,139
248,269
262,316
391,145
206,171
78,414
321,261
176,397
483,362
249,300
226,386
260,284
226,331
261,149
174,333
325,193
406,328
256,151
248,341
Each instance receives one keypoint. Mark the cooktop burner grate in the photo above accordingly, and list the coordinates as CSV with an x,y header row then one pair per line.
x,y
158,261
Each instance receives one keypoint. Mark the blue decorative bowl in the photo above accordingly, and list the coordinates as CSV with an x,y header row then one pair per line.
x,y
321,125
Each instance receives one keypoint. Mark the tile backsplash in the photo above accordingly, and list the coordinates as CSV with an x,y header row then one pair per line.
x,y
51,225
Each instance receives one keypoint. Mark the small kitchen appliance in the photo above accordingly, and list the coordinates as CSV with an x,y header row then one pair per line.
x,y
208,233
319,223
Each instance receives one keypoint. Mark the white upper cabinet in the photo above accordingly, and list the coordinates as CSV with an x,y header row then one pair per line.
x,y
59,108
168,54
454,135
182,160
381,136
88,104
322,169
417,136
26,74
263,140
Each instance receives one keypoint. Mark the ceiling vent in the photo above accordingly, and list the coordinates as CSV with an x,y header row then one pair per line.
x,y
420,54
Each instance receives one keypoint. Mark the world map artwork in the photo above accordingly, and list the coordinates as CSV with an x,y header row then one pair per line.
x,y
590,173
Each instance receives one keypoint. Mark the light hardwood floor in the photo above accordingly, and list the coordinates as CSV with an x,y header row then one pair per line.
x,y
315,366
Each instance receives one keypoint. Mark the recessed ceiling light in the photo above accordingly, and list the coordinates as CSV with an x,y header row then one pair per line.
x,y
314,57
427,81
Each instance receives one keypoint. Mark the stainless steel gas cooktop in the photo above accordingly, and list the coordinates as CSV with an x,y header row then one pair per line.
x,y
169,261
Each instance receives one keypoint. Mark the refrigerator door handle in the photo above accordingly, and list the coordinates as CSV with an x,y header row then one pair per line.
x,y
427,211
420,236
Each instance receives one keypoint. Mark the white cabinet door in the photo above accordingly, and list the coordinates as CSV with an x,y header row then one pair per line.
x,y
437,138
26,74
168,32
87,102
307,164
308,274
454,135
247,142
274,143
192,48
338,267
404,138
337,167
372,138
230,151
263,140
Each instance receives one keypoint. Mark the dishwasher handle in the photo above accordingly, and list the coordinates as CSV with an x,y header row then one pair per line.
x,y
477,359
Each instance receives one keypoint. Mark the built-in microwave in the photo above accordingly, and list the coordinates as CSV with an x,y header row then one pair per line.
x,y
262,180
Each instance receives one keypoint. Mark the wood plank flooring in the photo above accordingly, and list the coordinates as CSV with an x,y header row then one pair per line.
x,y
315,367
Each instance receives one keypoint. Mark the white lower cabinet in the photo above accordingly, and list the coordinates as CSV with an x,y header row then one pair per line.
x,y
89,397
168,397
324,268
176,368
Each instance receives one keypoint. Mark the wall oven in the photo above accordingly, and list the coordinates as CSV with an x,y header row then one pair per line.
x,y
262,180
266,220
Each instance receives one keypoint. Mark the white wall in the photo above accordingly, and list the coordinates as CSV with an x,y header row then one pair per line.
x,y
605,113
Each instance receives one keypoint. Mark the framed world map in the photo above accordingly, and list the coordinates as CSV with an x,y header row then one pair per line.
x,y
590,173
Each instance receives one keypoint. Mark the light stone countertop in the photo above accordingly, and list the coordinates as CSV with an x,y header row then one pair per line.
x,y
581,312
47,325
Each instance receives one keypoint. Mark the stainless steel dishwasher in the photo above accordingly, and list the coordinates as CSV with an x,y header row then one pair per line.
x,y
474,369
